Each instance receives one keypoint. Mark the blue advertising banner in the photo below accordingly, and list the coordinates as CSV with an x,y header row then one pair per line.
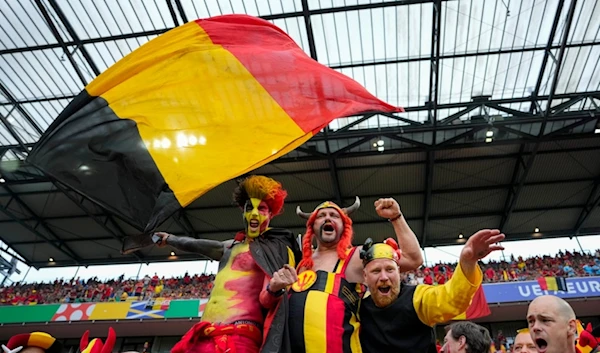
x,y
528,290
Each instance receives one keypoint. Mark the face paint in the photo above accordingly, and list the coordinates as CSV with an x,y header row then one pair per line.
x,y
256,217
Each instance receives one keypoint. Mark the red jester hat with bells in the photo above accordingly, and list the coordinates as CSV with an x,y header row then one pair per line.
x,y
32,343
96,345
345,241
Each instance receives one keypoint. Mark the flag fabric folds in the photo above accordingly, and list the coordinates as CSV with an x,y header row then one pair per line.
x,y
553,283
199,105
478,307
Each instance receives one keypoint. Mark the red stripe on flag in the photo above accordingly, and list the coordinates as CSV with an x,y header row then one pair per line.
x,y
479,306
310,93
542,283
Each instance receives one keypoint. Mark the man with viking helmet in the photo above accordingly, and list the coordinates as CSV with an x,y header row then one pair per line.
x,y
324,301
233,320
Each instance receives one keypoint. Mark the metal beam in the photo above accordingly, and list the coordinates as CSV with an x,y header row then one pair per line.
x,y
181,11
538,85
12,132
62,247
333,172
432,116
60,41
531,159
299,224
427,196
102,223
73,34
172,12
12,101
591,203
375,195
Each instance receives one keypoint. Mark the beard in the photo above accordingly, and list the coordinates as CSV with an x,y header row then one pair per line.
x,y
381,300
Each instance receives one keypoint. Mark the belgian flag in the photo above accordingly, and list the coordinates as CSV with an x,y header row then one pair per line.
x,y
199,105
553,283
478,308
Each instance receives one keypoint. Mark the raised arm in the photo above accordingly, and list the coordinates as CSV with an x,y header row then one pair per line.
x,y
213,249
412,258
437,304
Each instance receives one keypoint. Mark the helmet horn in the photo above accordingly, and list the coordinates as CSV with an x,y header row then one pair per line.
x,y
348,210
302,214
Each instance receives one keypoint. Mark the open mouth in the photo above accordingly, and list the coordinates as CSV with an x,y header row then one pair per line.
x,y
328,228
384,289
253,223
541,344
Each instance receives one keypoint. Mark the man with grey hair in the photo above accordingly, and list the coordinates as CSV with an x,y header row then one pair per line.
x,y
552,325
466,337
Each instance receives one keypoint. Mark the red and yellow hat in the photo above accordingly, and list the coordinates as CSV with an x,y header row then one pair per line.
x,y
35,339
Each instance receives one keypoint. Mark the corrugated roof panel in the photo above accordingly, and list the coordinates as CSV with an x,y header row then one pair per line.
x,y
442,231
401,84
96,249
563,166
384,159
526,222
541,196
383,33
41,252
291,167
564,144
472,173
586,22
471,202
307,186
76,228
593,220
14,232
42,73
23,25
53,204
492,150
217,219
383,180
93,19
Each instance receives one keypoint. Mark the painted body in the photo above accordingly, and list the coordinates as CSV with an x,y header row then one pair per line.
x,y
239,278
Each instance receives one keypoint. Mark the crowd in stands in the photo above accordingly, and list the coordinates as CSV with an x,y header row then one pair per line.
x,y
76,290
564,264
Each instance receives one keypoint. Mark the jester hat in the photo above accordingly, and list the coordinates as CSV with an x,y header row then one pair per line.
x,y
386,250
35,339
96,345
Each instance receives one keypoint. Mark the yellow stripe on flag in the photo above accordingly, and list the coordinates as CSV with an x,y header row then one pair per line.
x,y
110,311
176,112
551,282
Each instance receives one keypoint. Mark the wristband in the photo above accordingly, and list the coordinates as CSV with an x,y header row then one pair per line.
x,y
275,294
395,218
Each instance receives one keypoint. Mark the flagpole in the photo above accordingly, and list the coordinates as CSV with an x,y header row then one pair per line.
x,y
578,243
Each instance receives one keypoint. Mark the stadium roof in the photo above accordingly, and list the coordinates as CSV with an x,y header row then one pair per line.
x,y
500,128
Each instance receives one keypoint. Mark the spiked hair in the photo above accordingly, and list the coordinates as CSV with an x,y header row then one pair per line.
x,y
262,188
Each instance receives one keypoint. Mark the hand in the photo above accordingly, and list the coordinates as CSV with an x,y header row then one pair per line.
x,y
163,239
481,244
286,276
387,208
